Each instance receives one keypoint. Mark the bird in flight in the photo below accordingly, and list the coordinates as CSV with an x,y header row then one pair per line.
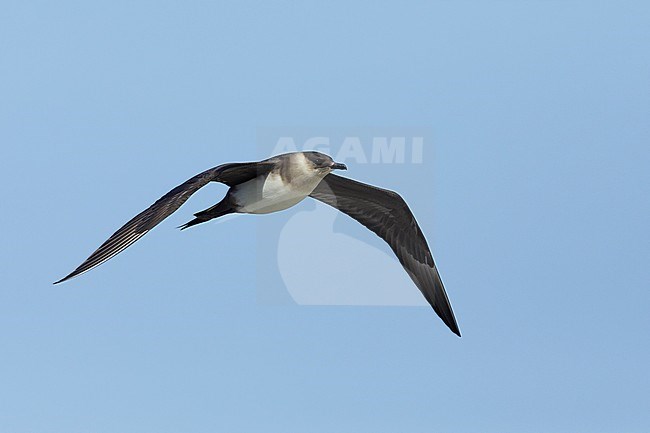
x,y
280,182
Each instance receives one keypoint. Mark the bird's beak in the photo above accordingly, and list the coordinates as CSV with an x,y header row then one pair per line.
x,y
338,166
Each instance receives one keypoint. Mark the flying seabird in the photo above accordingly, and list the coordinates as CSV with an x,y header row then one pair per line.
x,y
280,182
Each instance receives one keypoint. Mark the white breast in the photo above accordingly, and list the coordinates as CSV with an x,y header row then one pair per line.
x,y
271,194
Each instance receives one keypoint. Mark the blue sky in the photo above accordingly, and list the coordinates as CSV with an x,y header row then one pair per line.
x,y
533,192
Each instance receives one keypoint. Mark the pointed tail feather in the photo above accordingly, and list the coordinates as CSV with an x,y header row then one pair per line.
x,y
224,207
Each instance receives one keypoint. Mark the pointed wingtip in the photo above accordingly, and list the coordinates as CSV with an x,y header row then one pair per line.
x,y
453,326
448,318
67,277
71,275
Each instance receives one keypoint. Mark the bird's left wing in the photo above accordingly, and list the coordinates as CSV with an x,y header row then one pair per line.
x,y
230,174
387,215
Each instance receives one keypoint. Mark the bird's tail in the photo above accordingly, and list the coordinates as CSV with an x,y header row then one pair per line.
x,y
224,207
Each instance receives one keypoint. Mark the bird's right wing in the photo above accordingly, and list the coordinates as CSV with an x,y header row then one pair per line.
x,y
138,226
387,215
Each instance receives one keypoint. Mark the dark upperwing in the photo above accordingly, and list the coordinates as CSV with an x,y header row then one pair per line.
x,y
386,214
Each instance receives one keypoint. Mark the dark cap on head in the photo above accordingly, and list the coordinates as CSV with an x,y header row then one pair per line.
x,y
320,160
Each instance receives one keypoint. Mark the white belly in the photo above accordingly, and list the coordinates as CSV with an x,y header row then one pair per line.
x,y
260,196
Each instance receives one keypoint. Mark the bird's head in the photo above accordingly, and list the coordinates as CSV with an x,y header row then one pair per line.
x,y
323,163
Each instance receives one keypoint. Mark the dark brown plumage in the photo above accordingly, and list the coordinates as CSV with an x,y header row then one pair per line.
x,y
229,174
386,214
